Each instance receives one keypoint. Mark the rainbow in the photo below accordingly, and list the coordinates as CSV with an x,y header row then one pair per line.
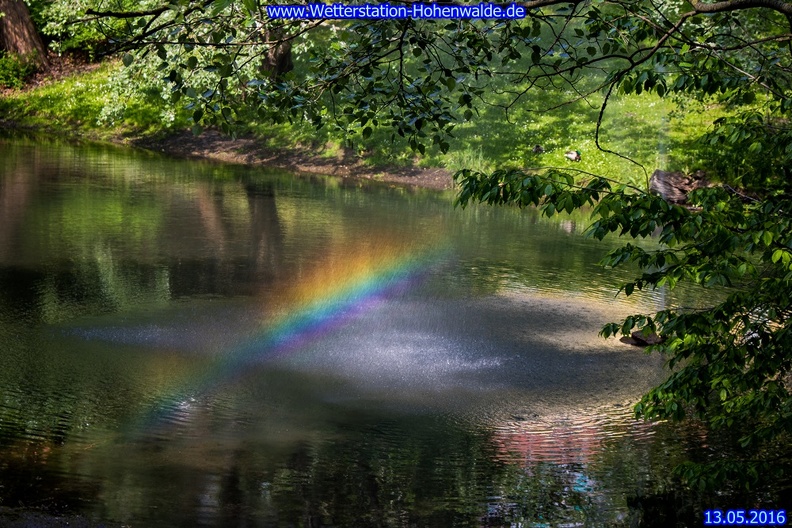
x,y
311,305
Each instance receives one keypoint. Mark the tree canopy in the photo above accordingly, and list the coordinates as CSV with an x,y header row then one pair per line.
x,y
419,78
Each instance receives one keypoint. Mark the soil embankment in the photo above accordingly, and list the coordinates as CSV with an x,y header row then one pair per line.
x,y
211,145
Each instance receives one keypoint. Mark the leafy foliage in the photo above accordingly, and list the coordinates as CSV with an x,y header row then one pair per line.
x,y
14,70
92,104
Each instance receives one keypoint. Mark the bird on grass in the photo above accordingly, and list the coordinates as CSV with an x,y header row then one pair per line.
x,y
573,155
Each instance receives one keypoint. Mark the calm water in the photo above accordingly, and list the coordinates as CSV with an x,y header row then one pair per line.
x,y
184,344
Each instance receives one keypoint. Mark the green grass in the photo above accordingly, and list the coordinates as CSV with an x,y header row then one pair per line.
x,y
644,128
85,104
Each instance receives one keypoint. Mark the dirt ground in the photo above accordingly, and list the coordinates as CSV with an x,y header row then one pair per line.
x,y
211,145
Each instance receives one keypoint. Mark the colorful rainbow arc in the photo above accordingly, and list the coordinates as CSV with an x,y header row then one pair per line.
x,y
305,324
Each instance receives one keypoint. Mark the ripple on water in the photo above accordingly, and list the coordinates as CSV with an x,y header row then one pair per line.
x,y
565,438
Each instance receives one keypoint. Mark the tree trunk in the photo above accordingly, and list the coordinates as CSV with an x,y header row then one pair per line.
x,y
18,34
278,61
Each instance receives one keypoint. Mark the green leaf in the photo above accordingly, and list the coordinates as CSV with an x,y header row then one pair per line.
x,y
127,59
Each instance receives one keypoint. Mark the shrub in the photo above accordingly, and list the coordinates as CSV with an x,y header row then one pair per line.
x,y
14,70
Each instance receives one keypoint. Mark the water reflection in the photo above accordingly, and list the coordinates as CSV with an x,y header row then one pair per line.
x,y
192,344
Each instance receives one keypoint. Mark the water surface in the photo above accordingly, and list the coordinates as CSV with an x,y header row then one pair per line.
x,y
194,344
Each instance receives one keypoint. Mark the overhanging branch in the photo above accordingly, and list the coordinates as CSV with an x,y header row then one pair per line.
x,y
125,14
735,5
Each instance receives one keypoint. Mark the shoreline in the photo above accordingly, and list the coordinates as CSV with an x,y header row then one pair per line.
x,y
211,145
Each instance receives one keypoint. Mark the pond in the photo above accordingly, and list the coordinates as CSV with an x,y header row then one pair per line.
x,y
189,344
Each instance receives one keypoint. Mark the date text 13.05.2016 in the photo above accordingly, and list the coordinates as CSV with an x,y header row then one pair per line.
x,y
745,518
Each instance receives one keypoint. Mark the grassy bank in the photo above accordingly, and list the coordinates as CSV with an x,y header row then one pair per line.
x,y
85,105
641,128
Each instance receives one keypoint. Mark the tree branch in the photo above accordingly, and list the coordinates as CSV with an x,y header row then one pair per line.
x,y
125,14
734,5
